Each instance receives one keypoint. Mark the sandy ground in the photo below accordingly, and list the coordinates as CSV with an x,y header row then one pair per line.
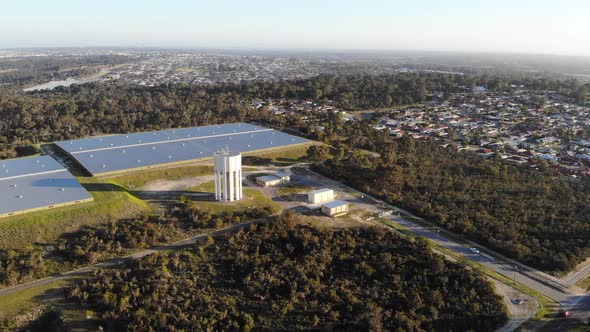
x,y
524,310
176,185
518,313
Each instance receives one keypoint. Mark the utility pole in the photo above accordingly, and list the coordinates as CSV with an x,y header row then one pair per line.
x,y
514,278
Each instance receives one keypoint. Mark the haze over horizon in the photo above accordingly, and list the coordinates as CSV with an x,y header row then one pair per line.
x,y
521,26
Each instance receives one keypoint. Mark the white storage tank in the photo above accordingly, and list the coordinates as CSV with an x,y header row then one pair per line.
x,y
228,176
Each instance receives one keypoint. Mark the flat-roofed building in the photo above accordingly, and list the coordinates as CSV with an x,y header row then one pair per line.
x,y
335,208
273,179
268,180
37,183
320,196
114,154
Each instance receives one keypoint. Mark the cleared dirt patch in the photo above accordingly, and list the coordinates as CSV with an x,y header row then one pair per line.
x,y
520,305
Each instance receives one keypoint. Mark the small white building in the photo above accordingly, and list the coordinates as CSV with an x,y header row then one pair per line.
x,y
320,196
335,208
268,180
273,179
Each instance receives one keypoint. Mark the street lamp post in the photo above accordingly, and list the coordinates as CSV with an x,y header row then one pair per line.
x,y
514,278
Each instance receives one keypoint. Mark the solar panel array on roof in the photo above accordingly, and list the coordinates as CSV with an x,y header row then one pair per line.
x,y
117,153
29,184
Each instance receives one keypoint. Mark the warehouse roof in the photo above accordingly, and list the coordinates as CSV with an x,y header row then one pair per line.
x,y
13,168
37,182
107,154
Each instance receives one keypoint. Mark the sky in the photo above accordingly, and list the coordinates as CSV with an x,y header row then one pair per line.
x,y
497,26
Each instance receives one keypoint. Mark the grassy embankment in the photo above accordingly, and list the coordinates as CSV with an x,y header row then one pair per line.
x,y
584,283
35,229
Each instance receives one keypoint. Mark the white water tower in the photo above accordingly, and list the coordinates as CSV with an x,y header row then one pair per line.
x,y
228,176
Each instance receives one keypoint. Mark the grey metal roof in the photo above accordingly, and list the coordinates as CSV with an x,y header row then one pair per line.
x,y
26,166
267,178
122,152
334,204
146,138
32,186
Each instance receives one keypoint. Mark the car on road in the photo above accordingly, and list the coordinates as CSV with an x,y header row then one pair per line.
x,y
475,250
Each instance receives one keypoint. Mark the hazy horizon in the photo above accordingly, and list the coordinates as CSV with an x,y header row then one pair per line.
x,y
457,26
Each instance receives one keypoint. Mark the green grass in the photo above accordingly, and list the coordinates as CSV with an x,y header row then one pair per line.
x,y
204,187
51,294
110,203
584,283
140,178
284,157
24,300
252,198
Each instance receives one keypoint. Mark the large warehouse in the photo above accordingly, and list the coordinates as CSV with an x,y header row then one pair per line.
x,y
120,153
31,184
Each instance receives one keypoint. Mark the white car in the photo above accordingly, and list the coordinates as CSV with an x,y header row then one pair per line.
x,y
475,250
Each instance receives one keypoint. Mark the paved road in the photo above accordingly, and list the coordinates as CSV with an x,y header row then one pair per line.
x,y
580,274
558,290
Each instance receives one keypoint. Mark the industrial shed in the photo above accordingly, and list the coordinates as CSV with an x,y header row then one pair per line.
x,y
320,196
335,208
268,180
121,153
36,183
273,179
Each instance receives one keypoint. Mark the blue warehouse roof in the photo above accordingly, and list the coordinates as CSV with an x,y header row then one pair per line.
x,y
39,182
116,153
